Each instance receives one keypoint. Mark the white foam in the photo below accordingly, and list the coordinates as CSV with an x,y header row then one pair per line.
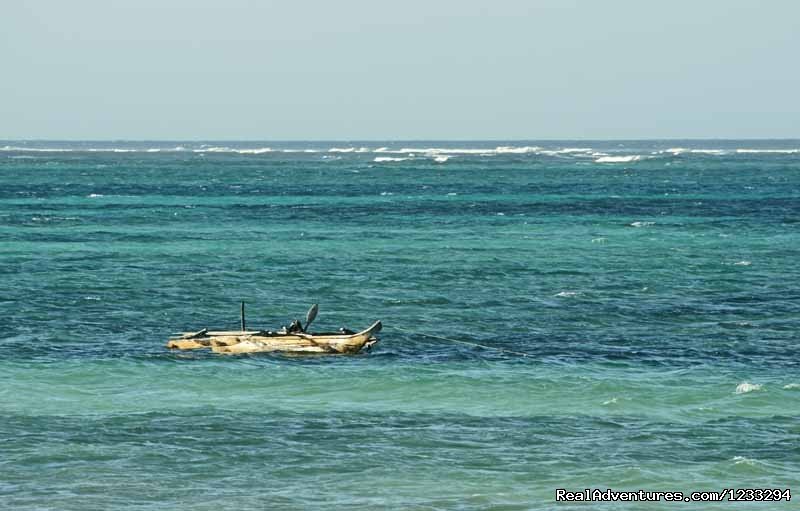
x,y
261,150
342,150
442,158
517,150
435,151
567,293
743,263
618,159
708,151
768,151
792,386
681,150
745,387
568,150
34,149
225,149
578,151
387,159
213,150
642,224
94,195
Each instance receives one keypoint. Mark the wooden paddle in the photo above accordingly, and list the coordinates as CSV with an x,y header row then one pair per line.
x,y
312,313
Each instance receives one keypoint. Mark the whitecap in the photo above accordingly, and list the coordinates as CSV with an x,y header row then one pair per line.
x,y
708,151
94,195
568,150
517,150
35,149
618,159
387,159
768,151
260,150
642,224
745,387
342,150
213,149
567,293
792,386
611,401
681,150
578,151
743,263
441,159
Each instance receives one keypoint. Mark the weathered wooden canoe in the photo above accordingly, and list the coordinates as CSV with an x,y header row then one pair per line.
x,y
233,342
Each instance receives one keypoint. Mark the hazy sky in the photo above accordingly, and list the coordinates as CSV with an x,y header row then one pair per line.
x,y
372,69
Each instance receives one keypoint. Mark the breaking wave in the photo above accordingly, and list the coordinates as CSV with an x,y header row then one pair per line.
x,y
601,154
745,387
768,151
618,159
388,159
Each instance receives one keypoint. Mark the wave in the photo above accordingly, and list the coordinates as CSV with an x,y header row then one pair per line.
x,y
768,151
745,387
259,150
517,150
565,294
349,150
9,148
432,152
387,159
575,151
618,159
683,150
441,159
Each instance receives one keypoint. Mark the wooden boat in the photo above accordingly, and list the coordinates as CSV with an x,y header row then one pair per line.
x,y
257,341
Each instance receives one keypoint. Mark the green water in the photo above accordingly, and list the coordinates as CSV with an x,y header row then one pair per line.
x,y
646,292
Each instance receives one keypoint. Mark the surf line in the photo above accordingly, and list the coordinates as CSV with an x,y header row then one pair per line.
x,y
519,353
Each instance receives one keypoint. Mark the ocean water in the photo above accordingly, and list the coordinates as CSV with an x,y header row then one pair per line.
x,y
653,285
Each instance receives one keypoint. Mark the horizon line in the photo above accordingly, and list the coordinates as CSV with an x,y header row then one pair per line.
x,y
612,139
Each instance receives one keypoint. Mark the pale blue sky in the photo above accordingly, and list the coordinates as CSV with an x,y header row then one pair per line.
x,y
360,69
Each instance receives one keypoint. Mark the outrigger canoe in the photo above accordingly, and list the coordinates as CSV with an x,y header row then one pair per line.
x,y
293,341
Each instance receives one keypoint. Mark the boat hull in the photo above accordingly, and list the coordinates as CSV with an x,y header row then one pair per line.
x,y
259,342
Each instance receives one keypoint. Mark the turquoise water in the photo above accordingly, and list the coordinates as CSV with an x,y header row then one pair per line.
x,y
654,286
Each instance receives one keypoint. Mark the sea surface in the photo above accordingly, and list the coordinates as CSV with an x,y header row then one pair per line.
x,y
647,294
